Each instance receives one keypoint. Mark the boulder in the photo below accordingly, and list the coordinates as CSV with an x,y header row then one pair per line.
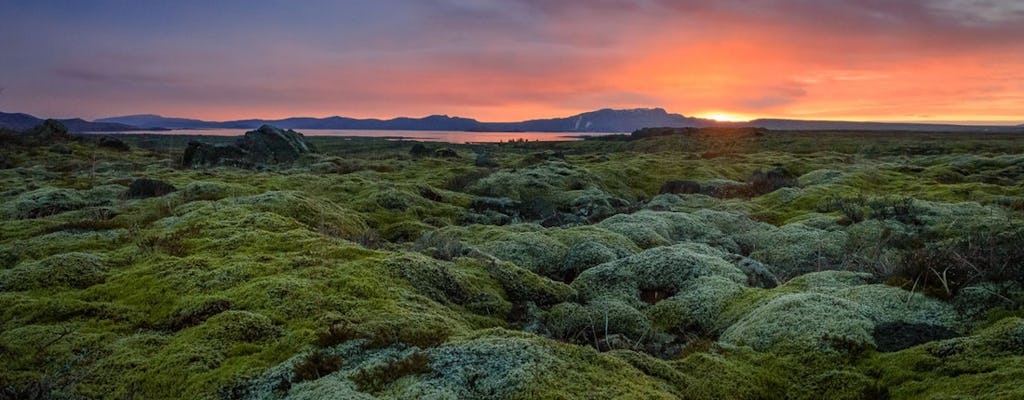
x,y
445,152
419,150
681,187
266,145
199,154
50,130
145,188
762,182
272,145
113,144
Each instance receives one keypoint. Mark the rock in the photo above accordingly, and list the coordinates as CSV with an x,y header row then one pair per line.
x,y
763,182
758,274
897,336
272,145
60,149
50,130
445,152
266,145
501,205
199,154
145,188
113,144
680,187
419,150
4,162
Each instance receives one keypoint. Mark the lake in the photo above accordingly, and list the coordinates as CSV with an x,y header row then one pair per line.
x,y
426,136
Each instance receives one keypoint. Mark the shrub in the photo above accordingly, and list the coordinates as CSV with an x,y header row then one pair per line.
x,y
376,379
315,366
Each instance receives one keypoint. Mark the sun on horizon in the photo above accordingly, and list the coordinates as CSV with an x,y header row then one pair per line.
x,y
724,116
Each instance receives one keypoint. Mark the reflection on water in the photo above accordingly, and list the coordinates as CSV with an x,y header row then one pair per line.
x,y
427,136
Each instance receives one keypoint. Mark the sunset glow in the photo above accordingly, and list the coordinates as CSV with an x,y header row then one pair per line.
x,y
724,117
915,60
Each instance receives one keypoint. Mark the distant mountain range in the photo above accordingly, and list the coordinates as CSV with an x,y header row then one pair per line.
x,y
605,120
20,121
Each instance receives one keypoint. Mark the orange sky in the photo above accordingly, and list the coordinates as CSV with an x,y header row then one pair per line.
x,y
908,60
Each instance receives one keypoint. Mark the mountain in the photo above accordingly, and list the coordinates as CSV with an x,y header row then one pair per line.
x,y
605,120
431,123
156,121
807,125
19,121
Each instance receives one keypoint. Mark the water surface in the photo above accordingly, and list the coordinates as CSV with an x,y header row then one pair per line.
x,y
426,136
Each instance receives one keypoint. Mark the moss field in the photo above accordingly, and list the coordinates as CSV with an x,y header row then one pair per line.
x,y
886,265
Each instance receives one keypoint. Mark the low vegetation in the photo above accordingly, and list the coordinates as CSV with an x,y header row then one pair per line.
x,y
704,264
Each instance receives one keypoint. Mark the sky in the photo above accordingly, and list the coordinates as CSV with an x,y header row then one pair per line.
x,y
508,60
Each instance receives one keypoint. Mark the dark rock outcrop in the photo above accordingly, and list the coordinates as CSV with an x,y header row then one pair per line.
x,y
760,182
113,144
49,131
271,145
445,152
758,274
264,146
419,150
681,187
763,182
897,336
144,188
199,154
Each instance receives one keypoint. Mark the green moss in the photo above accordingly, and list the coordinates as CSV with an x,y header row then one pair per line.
x,y
666,269
986,365
521,285
795,249
828,324
697,307
69,270
221,289
49,201
658,228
